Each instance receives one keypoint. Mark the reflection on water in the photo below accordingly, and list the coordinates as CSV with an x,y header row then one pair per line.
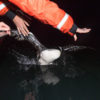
x,y
74,76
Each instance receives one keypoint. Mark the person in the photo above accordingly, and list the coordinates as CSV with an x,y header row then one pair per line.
x,y
4,29
6,9
49,12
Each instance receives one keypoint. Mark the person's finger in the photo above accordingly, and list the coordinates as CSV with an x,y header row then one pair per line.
x,y
19,30
3,34
83,30
23,31
5,26
87,30
26,29
9,32
4,29
75,37
26,23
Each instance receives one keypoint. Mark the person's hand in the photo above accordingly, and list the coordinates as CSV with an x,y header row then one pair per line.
x,y
21,25
75,37
4,29
81,31
24,16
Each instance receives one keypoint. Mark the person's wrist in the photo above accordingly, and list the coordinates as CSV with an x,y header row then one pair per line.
x,y
77,30
10,15
73,29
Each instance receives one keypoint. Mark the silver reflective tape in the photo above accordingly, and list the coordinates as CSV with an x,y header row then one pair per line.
x,y
2,6
62,22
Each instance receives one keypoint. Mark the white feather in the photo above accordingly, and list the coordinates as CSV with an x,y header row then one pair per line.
x,y
48,56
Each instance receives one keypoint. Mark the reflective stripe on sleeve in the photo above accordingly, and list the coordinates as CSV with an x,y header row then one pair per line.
x,y
2,6
62,22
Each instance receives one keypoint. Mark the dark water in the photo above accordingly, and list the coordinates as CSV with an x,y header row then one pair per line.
x,y
85,86
78,72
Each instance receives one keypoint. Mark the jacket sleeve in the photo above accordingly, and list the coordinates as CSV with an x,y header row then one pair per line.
x,y
4,10
49,13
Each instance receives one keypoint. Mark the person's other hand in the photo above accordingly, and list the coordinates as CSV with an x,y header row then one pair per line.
x,y
81,31
21,25
4,29
75,37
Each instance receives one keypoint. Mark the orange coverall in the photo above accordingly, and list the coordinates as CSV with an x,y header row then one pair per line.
x,y
46,11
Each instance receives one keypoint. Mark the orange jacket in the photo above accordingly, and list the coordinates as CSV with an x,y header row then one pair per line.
x,y
48,12
3,7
